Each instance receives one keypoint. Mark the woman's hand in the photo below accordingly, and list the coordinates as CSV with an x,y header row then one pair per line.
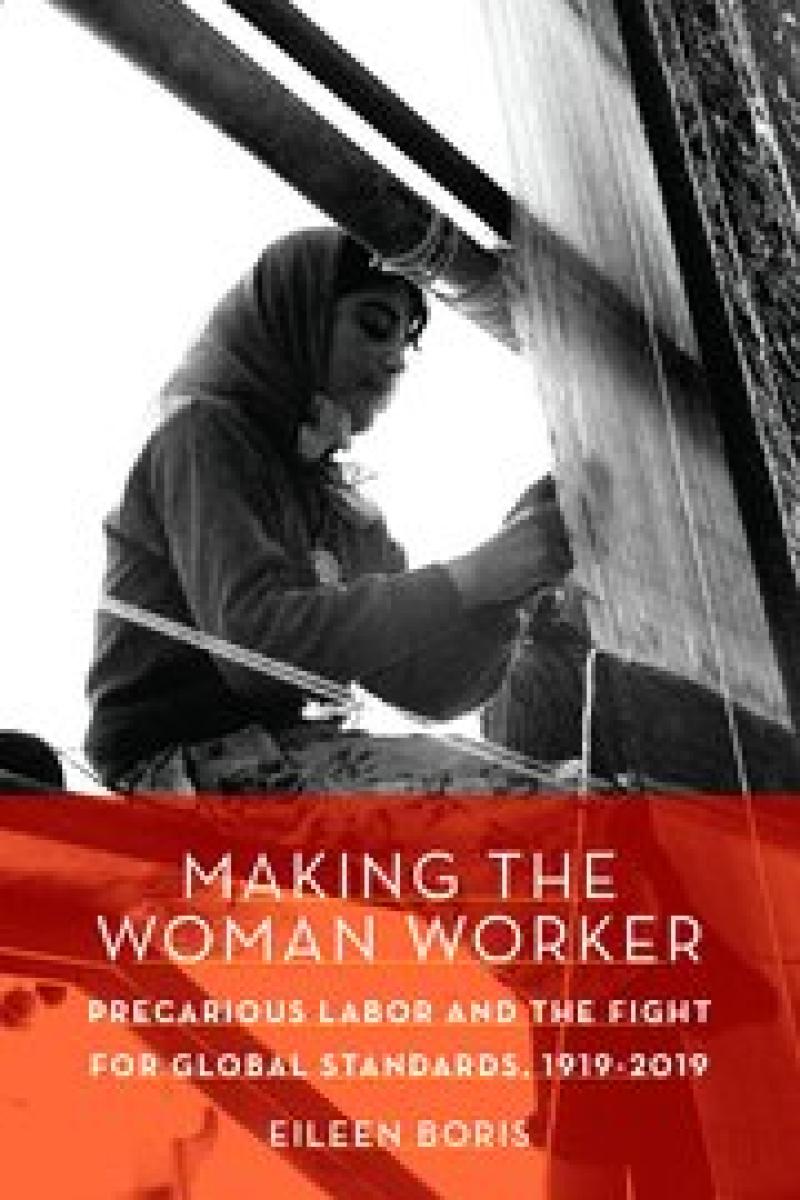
x,y
530,551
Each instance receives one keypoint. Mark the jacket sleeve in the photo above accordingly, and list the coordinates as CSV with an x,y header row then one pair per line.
x,y
247,579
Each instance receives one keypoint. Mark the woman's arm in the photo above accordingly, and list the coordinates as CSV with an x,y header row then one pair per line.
x,y
242,565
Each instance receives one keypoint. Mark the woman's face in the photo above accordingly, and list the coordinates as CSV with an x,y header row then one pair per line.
x,y
369,337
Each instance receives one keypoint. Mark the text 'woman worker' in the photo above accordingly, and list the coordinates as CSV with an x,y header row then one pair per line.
x,y
236,520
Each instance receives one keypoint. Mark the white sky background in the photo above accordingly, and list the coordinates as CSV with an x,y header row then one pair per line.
x,y
124,218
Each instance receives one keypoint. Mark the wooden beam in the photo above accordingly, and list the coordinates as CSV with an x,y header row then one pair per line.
x,y
202,69
365,94
198,65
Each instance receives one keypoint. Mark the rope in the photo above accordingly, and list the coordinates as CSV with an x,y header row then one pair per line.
x,y
431,258
350,701
70,757
587,715
581,816
306,681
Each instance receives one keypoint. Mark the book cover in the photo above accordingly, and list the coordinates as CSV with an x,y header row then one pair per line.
x,y
567,993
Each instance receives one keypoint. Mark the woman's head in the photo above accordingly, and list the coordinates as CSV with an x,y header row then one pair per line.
x,y
315,315
367,347
375,317
342,323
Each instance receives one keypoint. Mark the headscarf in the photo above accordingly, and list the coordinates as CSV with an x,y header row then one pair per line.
x,y
265,345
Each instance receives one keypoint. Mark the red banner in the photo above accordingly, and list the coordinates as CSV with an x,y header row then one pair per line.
x,y
400,996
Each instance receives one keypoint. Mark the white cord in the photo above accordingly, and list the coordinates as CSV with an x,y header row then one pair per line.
x,y
352,702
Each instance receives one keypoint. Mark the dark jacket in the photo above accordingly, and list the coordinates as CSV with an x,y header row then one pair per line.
x,y
218,528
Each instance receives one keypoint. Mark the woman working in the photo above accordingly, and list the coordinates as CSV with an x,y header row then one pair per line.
x,y
236,521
